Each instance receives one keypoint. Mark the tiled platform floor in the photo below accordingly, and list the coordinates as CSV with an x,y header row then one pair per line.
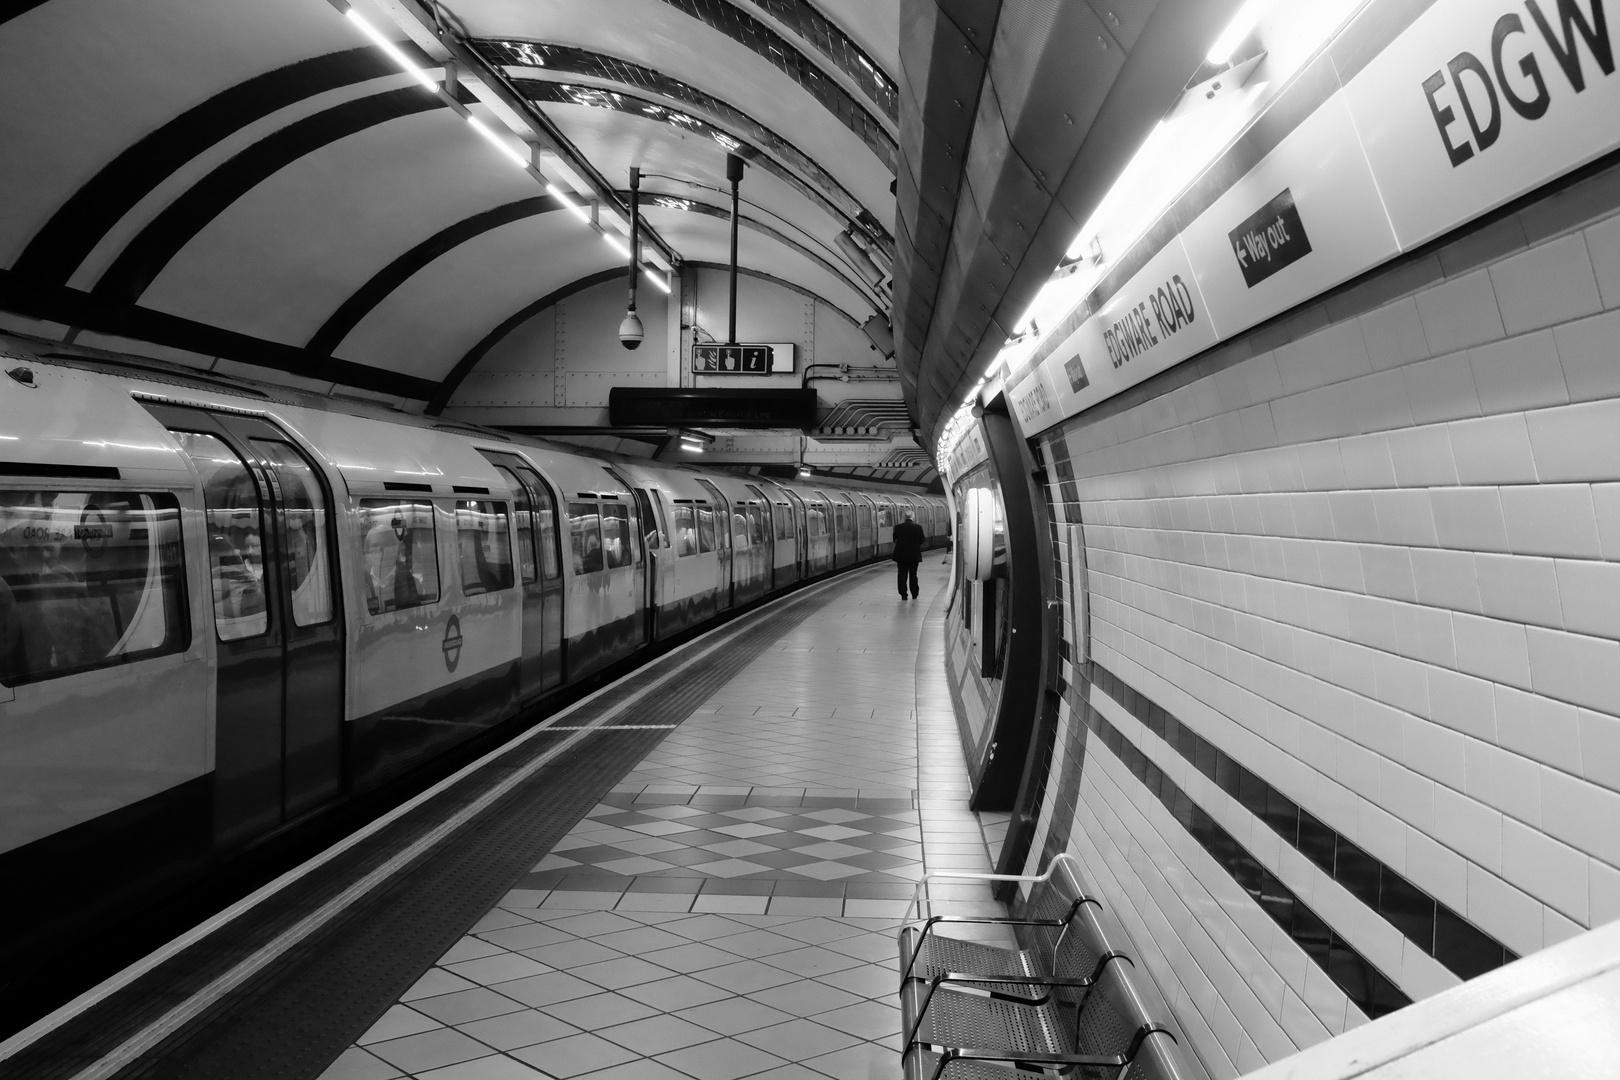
x,y
728,911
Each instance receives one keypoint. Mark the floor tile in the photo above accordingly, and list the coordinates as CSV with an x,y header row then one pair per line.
x,y
565,1058
657,1034
513,1030
356,1064
724,1059
396,1023
488,1068
429,1050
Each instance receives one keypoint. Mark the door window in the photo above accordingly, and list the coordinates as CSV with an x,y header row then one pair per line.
x,y
784,522
739,526
616,535
685,531
545,515
481,543
585,536
705,527
523,514
235,536
303,532
88,580
757,526
401,551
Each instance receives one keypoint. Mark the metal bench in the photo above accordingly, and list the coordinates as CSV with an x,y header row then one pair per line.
x,y
973,1011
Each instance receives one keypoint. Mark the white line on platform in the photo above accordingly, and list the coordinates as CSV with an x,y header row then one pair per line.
x,y
176,1017
622,727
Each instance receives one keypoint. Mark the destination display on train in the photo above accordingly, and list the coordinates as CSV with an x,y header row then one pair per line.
x,y
1471,105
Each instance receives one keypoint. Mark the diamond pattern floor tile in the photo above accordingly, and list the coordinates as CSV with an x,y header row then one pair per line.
x,y
728,910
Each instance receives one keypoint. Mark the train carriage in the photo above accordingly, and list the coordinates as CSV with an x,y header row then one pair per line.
x,y
226,609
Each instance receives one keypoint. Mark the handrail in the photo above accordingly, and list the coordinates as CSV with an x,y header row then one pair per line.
x,y
917,894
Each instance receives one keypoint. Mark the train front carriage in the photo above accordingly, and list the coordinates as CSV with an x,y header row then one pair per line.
x,y
106,688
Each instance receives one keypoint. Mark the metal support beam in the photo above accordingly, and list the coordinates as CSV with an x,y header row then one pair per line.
x,y
734,173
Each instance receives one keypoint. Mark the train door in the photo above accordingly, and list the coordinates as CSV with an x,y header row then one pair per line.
x,y
801,532
535,513
278,744
655,542
722,541
767,513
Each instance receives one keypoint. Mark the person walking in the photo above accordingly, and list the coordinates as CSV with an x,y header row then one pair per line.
x,y
908,544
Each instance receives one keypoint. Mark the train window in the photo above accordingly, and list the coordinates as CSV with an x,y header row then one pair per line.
x,y
401,554
523,514
784,521
739,526
758,527
705,527
885,516
585,536
866,517
483,546
616,542
685,531
88,580
235,536
303,533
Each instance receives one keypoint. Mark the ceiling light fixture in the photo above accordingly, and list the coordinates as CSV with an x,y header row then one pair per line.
x,y
615,243
496,141
1240,27
658,283
392,50
573,207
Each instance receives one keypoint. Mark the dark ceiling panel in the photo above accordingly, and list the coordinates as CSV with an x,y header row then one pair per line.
x,y
776,50
838,47
72,233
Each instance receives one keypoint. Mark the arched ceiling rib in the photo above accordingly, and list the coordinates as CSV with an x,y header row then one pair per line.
x,y
534,61
591,97
743,28
160,241
396,273
58,248
839,49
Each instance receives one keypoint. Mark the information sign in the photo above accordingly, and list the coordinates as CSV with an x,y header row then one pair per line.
x,y
747,359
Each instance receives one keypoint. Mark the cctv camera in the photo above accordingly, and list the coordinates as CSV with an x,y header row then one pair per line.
x,y
630,332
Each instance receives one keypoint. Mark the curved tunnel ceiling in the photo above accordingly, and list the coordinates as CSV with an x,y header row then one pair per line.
x,y
234,178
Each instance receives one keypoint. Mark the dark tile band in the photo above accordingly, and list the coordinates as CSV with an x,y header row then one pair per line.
x,y
1368,988
1457,944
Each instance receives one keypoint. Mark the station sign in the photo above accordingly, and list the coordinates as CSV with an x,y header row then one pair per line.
x,y
1441,118
750,359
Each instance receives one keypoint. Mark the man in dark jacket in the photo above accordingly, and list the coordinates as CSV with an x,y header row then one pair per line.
x,y
908,544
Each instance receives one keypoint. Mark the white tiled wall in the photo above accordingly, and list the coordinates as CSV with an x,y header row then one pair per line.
x,y
1380,566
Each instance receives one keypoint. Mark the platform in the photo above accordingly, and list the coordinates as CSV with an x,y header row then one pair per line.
x,y
728,909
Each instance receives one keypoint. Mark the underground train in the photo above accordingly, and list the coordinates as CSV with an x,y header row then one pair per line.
x,y
227,609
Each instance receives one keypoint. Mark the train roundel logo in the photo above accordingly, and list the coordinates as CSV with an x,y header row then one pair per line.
x,y
452,643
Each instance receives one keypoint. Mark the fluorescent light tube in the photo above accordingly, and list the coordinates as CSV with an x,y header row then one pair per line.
x,y
1236,30
613,242
392,50
495,140
658,283
575,208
